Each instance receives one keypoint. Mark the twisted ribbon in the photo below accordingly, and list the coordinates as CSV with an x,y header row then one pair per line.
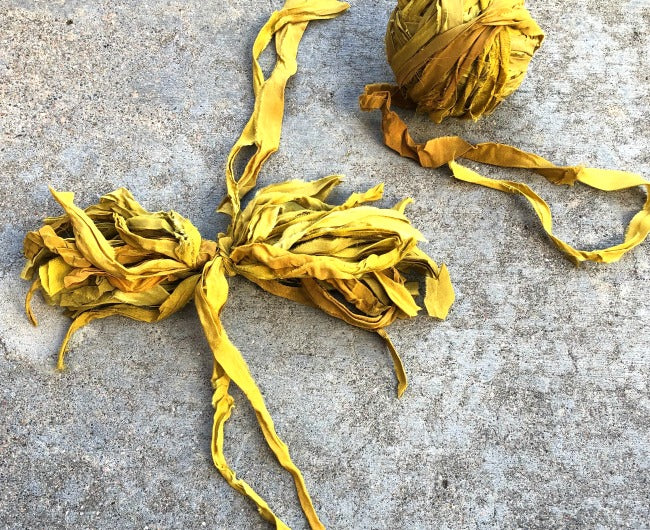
x,y
455,58
350,260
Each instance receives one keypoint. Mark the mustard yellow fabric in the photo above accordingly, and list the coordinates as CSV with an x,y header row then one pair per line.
x,y
351,260
462,58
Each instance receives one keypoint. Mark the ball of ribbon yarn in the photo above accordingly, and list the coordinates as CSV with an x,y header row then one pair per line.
x,y
460,58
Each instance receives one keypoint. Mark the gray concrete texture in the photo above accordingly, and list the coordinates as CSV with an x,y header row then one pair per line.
x,y
527,408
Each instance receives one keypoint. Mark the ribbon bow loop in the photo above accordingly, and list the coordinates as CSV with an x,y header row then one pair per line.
x,y
114,258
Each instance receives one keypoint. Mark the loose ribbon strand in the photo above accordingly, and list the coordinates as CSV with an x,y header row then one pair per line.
x,y
448,149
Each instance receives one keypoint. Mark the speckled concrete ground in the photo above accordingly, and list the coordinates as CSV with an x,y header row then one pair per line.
x,y
527,408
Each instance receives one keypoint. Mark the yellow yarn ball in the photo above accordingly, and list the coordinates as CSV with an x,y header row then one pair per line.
x,y
460,57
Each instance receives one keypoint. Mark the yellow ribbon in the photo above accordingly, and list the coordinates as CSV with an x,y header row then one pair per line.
x,y
447,149
350,260
460,57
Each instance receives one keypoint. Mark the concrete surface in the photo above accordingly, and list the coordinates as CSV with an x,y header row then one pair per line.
x,y
528,407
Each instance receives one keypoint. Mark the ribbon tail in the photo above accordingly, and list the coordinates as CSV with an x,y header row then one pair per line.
x,y
265,124
223,403
36,285
400,372
210,297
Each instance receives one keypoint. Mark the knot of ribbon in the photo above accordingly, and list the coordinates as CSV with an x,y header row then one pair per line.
x,y
350,260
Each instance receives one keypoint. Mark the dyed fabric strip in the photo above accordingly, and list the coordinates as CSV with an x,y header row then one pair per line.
x,y
448,149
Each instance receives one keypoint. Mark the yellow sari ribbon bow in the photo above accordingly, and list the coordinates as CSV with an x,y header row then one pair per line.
x,y
350,259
